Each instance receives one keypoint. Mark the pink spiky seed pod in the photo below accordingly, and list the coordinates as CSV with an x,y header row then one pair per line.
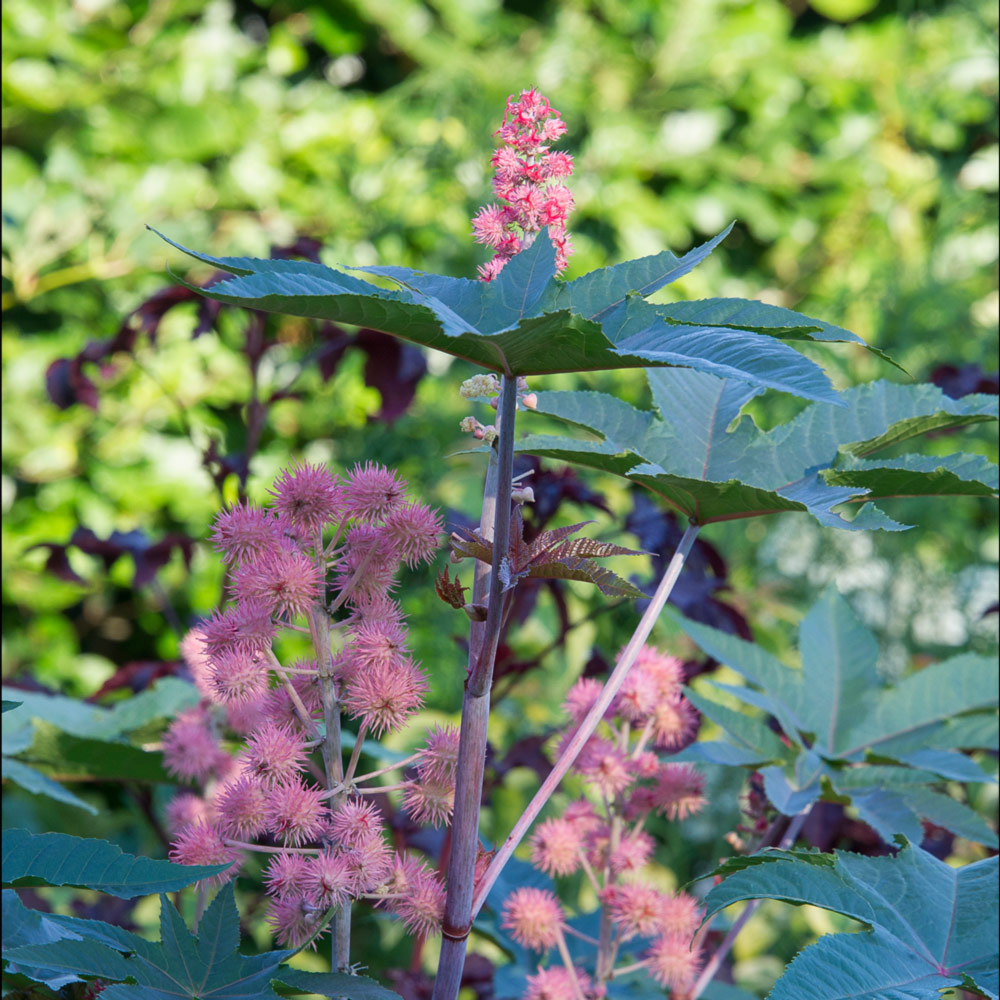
x,y
202,843
556,983
372,491
427,803
285,580
329,880
680,915
286,873
370,864
635,909
385,697
241,806
186,808
439,758
679,791
274,754
533,917
377,644
244,533
415,532
238,677
293,917
674,723
190,751
296,813
355,822
309,496
673,963
415,894
556,846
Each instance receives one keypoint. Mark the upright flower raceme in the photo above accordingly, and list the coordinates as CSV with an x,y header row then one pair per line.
x,y
527,182
602,837
324,546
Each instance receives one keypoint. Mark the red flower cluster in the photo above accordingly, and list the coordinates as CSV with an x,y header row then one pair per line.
x,y
526,181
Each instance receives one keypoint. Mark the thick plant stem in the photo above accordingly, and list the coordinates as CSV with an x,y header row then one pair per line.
x,y
712,965
475,715
593,718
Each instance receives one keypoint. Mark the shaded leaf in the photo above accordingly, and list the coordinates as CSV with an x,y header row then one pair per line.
x,y
39,784
59,859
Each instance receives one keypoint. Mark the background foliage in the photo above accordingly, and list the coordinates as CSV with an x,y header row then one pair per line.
x,y
855,142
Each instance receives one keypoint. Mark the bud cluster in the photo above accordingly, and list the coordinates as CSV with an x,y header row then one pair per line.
x,y
328,845
602,836
527,182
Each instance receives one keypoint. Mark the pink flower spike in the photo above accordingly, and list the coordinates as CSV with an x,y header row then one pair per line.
x,y
310,496
533,917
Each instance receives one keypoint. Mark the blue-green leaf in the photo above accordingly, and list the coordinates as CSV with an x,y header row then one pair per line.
x,y
928,924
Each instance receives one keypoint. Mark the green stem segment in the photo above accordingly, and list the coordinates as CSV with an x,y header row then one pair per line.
x,y
484,638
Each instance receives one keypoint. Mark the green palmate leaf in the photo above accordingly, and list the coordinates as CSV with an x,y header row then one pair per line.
x,y
525,322
59,859
179,966
705,462
878,746
9,706
22,926
39,784
752,733
927,925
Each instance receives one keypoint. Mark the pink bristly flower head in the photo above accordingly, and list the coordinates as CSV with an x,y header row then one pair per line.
x,y
286,873
190,751
673,963
279,707
328,881
638,696
244,717
556,846
554,983
368,564
309,496
198,663
202,844
296,813
415,532
285,580
581,697
244,533
605,766
666,671
355,822
371,492
385,697
526,182
241,806
533,917
274,754
439,758
428,803
679,791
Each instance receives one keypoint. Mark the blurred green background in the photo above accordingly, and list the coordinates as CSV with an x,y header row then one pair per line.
x,y
855,142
